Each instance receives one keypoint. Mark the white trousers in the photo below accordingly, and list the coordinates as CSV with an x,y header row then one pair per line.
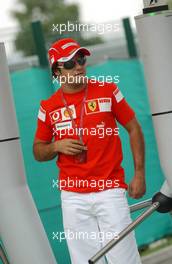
x,y
91,220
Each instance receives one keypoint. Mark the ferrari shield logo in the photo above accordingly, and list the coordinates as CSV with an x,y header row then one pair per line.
x,y
92,105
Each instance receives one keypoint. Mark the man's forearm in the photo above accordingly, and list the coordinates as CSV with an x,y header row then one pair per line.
x,y
138,148
44,151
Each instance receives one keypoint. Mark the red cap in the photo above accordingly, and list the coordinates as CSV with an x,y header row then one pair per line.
x,y
64,49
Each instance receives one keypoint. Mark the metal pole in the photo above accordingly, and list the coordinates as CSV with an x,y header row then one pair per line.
x,y
39,41
129,38
140,205
124,233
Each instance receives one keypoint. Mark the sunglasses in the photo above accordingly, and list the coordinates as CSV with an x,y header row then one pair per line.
x,y
68,65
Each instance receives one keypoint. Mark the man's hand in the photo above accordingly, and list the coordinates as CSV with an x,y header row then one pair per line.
x,y
44,150
69,146
137,186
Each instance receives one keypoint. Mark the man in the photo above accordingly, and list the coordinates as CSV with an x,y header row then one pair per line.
x,y
82,118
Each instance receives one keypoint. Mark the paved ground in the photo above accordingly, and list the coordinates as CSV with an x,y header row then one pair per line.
x,y
163,256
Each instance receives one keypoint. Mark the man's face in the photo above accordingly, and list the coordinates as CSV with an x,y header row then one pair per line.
x,y
76,75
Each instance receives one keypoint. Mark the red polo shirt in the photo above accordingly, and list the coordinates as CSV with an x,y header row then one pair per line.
x,y
104,106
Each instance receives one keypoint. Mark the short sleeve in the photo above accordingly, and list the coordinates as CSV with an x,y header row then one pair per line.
x,y
121,109
43,131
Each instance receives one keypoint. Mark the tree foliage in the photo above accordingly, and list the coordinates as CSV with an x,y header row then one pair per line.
x,y
48,12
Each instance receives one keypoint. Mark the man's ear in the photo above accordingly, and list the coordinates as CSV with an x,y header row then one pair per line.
x,y
57,72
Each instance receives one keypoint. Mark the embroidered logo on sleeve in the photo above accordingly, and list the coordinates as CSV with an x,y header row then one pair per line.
x,y
118,95
62,114
98,105
42,114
